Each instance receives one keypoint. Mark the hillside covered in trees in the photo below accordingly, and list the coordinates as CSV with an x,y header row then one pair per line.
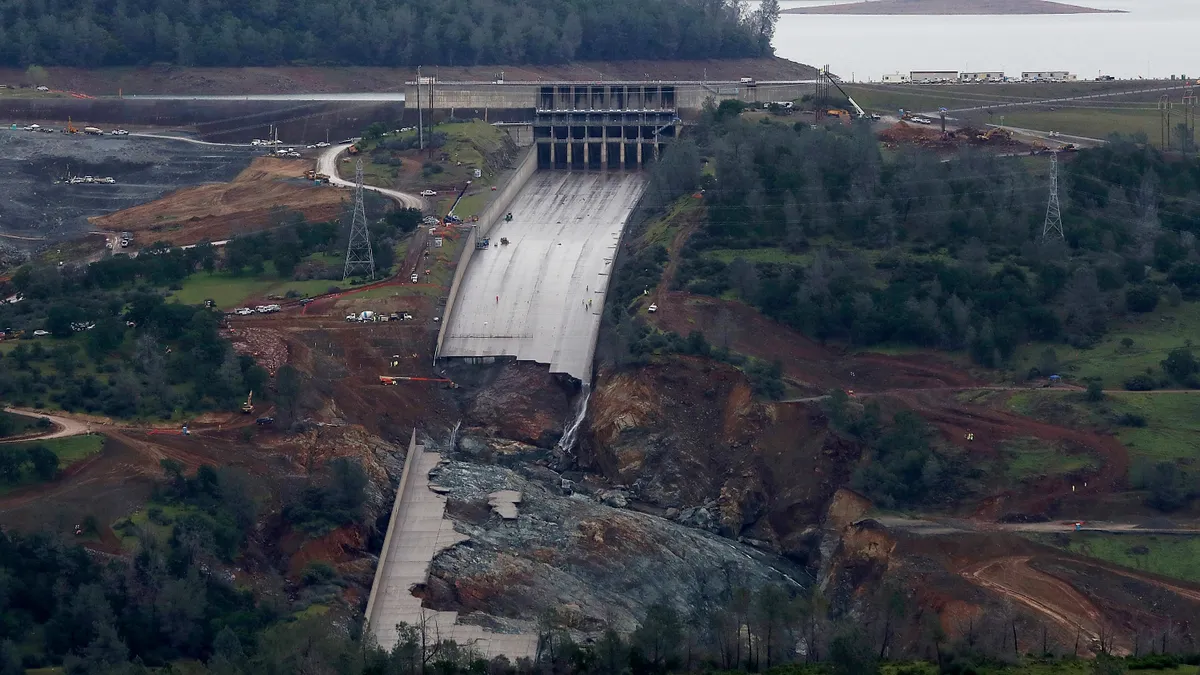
x,y
376,32
929,253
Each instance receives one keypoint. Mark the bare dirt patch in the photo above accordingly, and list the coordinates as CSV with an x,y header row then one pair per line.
x,y
252,201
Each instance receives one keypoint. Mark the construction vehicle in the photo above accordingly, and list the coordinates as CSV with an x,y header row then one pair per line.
x,y
93,131
837,112
996,134
394,380
504,241
70,128
352,150
248,406
857,108
483,243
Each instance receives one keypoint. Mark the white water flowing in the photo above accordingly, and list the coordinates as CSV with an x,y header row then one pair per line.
x,y
567,442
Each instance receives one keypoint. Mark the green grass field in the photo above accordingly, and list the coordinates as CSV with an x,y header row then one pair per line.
x,y
229,292
1091,123
69,450
888,98
1027,459
1154,335
1172,430
1170,556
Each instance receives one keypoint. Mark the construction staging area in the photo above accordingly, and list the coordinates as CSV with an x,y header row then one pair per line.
x,y
539,297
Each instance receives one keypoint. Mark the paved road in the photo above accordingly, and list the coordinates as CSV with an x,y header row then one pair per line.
x,y
65,426
194,141
1059,138
327,164
540,297
365,96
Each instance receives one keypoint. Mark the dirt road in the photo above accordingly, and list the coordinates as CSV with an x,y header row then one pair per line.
x,y
1052,597
327,164
943,526
65,426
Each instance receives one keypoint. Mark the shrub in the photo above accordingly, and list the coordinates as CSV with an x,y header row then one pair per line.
x,y
1139,383
1131,420
1142,298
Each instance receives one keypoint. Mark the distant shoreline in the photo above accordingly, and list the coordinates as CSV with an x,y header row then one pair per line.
x,y
951,7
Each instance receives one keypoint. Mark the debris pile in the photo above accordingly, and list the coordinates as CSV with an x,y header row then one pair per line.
x,y
266,346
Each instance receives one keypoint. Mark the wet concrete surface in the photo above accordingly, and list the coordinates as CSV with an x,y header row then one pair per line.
x,y
33,205
540,297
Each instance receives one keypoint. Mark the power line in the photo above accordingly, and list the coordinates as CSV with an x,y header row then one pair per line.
x,y
359,258
1053,226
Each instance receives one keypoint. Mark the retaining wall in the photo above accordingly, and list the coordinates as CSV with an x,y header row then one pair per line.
x,y
490,215
387,539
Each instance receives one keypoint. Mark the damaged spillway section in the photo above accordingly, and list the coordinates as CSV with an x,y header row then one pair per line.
x,y
417,532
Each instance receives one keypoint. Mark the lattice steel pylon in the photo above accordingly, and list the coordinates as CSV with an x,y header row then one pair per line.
x,y
1053,225
359,258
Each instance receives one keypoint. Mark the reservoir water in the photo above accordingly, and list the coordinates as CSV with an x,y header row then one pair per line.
x,y
1156,38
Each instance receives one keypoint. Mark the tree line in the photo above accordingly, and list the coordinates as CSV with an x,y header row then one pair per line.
x,y
376,32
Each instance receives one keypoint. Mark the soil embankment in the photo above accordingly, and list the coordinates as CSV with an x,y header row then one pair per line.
x,y
951,7
252,201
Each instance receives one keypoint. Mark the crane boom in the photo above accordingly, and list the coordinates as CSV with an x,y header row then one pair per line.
x,y
857,108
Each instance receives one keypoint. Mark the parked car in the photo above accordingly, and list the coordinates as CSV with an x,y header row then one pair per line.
x,y
263,421
322,144
40,333
652,309
120,132
428,193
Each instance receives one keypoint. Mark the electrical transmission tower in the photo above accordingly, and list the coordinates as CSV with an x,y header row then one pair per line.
x,y
1053,226
359,258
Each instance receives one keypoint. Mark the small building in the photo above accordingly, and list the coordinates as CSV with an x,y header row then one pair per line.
x,y
932,76
1047,76
984,76
895,78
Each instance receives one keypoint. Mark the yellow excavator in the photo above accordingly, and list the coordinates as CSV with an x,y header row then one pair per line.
x,y
248,406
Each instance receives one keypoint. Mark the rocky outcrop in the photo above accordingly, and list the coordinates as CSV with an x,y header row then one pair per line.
x,y
522,402
579,555
689,437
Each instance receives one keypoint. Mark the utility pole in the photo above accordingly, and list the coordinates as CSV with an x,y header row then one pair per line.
x,y
1189,119
359,258
420,112
1164,116
1053,226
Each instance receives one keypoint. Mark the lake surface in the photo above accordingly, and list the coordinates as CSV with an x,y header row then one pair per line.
x,y
1157,38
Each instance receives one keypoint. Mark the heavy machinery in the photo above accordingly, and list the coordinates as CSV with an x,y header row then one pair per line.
x,y
248,406
857,108
394,380
70,128
483,243
994,134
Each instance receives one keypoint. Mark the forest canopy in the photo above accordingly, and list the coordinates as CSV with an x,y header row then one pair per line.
x,y
376,32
